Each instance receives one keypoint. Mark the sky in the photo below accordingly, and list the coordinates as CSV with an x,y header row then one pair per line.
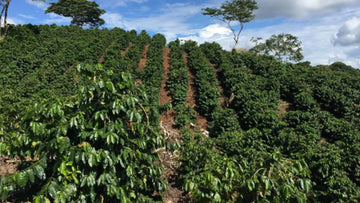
x,y
328,29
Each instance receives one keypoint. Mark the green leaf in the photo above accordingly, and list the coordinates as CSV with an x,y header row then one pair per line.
x,y
129,171
31,176
21,179
52,190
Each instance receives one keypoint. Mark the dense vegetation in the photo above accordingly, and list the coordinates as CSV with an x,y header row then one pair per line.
x,y
82,129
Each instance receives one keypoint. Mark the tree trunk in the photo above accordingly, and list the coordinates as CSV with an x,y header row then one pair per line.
x,y
5,9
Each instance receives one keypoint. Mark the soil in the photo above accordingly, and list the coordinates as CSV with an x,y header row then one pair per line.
x,y
100,60
164,93
143,60
283,107
7,166
123,53
102,57
67,70
169,159
191,96
222,98
322,141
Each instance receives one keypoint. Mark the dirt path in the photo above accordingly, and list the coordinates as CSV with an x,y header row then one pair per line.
x,y
191,98
100,60
283,107
102,57
123,53
143,60
169,159
164,93
222,98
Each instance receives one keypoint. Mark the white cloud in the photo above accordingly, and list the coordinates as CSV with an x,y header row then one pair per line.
x,y
171,21
38,4
316,37
349,33
315,22
13,21
213,33
57,19
300,9
114,20
125,2
29,17
116,3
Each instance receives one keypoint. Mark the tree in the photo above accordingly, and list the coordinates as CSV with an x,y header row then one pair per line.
x,y
4,6
235,10
82,12
283,46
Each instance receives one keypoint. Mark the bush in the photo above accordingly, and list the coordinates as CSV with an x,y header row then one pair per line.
x,y
97,146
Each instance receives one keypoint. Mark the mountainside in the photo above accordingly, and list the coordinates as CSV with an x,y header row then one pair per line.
x,y
110,115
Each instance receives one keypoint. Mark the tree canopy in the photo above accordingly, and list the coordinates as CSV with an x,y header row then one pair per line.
x,y
82,12
240,11
283,46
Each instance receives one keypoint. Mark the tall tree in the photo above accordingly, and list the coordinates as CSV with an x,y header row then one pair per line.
x,y
283,46
82,12
240,11
4,6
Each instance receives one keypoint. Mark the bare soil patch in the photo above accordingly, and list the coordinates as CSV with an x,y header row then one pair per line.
x,y
284,106
102,57
164,93
191,97
222,99
143,60
7,166
123,53
169,159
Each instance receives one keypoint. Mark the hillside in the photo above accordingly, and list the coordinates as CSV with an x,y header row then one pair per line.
x,y
115,115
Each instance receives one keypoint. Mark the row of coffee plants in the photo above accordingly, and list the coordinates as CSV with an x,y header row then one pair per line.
x,y
36,62
178,79
206,84
233,165
310,132
98,144
153,72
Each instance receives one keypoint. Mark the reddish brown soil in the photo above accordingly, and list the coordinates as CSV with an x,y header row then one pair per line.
x,y
190,97
7,166
143,60
123,53
168,159
164,93
102,57
138,82
67,70
100,60
222,98
191,92
283,107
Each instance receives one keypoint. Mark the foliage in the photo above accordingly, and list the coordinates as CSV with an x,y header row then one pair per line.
x,y
96,146
178,78
206,84
82,12
257,151
318,130
283,46
240,11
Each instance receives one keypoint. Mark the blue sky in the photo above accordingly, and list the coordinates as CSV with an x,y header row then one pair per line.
x,y
329,29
